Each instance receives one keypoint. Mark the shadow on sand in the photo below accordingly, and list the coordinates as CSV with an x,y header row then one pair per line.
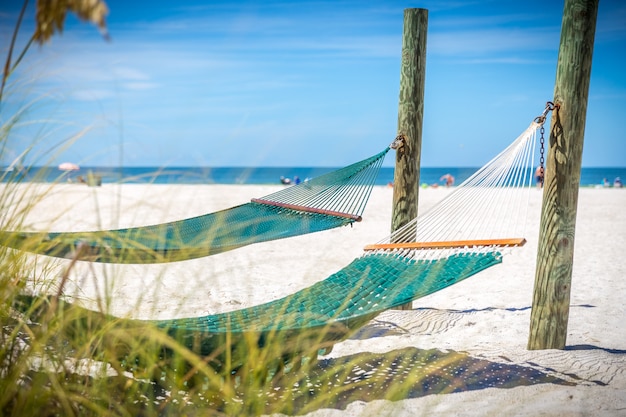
x,y
404,374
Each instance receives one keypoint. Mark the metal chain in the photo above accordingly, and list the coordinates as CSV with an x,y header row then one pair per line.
x,y
541,120
541,158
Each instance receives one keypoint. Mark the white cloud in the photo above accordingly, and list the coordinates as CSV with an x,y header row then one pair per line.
x,y
480,42
92,95
126,73
138,86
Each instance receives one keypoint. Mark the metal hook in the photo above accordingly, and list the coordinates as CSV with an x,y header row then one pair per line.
x,y
542,119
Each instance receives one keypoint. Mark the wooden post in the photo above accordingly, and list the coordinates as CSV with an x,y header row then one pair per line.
x,y
551,299
410,115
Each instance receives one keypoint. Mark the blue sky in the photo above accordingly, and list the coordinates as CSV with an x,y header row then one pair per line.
x,y
300,83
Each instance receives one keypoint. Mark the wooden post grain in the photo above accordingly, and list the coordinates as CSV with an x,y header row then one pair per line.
x,y
410,115
551,298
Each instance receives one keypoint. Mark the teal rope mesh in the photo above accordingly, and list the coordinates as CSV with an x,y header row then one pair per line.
x,y
346,190
368,286
320,315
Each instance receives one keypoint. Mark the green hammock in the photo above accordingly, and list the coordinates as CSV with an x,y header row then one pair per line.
x,y
331,200
300,324
332,309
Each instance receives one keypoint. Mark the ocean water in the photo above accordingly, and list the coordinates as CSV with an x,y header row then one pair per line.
x,y
256,175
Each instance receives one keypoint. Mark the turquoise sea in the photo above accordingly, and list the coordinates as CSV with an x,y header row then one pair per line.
x,y
255,175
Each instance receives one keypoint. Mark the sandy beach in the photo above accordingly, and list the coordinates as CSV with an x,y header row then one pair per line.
x,y
486,317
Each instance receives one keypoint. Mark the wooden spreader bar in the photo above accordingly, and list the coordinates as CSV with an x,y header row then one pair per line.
x,y
307,209
448,244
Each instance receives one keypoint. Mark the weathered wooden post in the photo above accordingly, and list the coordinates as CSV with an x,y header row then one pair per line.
x,y
555,255
410,116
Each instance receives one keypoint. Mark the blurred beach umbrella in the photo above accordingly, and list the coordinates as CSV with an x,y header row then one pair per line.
x,y
68,166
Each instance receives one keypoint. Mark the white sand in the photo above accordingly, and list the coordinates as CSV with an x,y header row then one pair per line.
x,y
486,316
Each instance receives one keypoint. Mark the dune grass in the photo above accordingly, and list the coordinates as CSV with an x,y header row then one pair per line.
x,y
60,359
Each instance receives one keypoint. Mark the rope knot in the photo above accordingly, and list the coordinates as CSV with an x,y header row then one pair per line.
x,y
398,142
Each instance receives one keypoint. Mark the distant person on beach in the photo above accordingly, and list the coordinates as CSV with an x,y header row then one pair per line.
x,y
539,176
285,181
296,180
617,183
606,183
449,179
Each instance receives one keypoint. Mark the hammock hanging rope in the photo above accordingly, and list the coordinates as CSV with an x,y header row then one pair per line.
x,y
335,199
487,210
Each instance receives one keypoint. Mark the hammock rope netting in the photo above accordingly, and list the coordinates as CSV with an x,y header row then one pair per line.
x,y
335,199
334,308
